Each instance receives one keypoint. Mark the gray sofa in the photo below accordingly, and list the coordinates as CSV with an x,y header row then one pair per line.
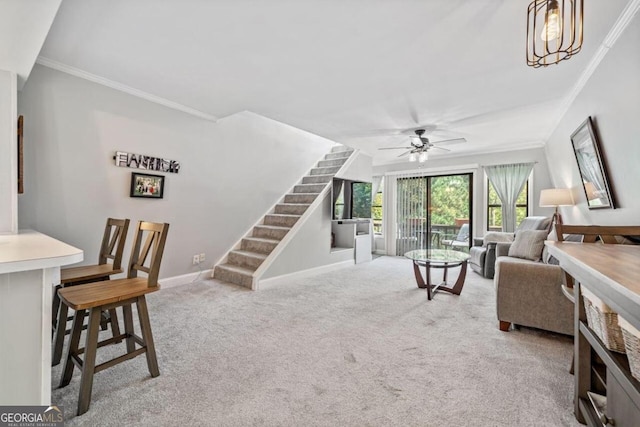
x,y
483,251
529,293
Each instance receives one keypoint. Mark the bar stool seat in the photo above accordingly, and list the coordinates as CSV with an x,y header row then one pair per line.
x,y
97,294
87,272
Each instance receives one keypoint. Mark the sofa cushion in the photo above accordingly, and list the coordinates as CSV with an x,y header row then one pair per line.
x,y
528,244
497,236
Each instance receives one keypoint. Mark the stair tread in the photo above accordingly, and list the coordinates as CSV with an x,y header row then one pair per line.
x,y
319,175
237,269
249,253
301,194
262,239
295,204
279,214
273,227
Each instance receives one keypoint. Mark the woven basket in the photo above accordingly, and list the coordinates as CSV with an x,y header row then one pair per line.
x,y
632,343
603,321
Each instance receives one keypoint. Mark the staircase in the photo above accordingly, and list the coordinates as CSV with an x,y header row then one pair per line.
x,y
241,263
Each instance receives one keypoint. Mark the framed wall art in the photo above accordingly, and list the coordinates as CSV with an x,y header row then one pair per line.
x,y
147,186
591,165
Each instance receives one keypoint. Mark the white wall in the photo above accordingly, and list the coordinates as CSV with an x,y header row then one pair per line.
x,y
444,166
612,98
8,153
359,169
231,172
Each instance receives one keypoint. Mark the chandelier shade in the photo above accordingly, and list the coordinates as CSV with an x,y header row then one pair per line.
x,y
554,31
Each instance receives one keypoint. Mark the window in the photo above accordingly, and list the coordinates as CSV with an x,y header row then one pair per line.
x,y
494,207
376,211
361,200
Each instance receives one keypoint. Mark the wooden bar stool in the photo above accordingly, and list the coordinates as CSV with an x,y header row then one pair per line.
x,y
112,247
100,296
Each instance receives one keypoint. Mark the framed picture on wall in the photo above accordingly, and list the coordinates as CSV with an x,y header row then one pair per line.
x,y
592,169
147,186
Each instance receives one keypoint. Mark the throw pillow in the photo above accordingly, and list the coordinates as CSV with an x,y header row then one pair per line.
x,y
528,244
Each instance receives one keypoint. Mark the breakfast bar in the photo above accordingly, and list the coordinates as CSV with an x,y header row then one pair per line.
x,y
29,266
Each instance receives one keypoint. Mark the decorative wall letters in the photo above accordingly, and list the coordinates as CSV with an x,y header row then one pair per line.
x,y
140,161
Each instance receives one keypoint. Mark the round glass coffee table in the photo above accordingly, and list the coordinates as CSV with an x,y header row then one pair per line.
x,y
438,258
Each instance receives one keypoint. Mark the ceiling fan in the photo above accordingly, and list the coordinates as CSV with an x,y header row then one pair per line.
x,y
420,145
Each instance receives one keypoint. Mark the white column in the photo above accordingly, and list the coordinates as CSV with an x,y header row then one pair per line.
x,y
8,153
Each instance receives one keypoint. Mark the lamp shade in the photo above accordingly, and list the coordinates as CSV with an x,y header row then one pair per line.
x,y
552,197
591,190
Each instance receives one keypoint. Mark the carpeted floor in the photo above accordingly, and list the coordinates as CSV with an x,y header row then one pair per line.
x,y
360,346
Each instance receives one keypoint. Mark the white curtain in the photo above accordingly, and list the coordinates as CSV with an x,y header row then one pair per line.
x,y
375,186
410,213
389,214
508,181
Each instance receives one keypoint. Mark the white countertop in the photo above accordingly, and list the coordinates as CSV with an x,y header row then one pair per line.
x,y
30,250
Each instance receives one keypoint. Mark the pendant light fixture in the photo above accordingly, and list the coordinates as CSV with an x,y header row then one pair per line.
x,y
554,31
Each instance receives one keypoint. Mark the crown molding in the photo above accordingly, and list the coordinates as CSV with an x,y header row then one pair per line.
x,y
50,63
612,37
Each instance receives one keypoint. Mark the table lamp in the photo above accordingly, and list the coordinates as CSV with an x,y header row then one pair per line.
x,y
554,197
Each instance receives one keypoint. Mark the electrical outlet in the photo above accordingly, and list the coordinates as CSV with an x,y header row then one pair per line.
x,y
202,258
196,259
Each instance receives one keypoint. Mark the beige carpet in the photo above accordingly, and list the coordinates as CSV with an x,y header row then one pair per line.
x,y
360,346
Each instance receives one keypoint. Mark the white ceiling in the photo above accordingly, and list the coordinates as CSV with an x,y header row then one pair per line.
x,y
24,25
342,69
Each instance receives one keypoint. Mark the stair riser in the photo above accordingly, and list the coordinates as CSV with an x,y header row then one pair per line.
x,y
299,198
291,209
244,261
330,163
325,171
309,188
260,247
338,155
282,221
317,179
340,148
232,276
269,233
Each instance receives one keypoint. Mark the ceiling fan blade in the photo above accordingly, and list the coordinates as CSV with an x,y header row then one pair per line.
x,y
396,148
440,148
450,141
404,154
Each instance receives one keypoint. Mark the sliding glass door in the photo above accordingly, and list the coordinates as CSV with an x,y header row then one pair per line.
x,y
433,212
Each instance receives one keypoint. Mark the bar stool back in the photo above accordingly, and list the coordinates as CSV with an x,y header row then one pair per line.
x,y
99,296
111,248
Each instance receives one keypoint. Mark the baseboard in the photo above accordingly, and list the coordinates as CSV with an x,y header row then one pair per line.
x,y
184,279
275,281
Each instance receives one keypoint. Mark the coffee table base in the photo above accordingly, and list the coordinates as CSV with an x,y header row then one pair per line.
x,y
456,289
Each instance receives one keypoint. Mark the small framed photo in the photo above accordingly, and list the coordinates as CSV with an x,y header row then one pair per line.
x,y
147,186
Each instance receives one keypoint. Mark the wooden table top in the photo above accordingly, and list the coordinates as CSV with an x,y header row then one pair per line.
x,y
614,265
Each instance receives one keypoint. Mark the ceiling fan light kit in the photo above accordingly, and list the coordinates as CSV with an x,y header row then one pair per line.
x,y
554,31
420,146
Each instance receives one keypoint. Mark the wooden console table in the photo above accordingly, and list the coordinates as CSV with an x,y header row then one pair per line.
x,y
612,273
